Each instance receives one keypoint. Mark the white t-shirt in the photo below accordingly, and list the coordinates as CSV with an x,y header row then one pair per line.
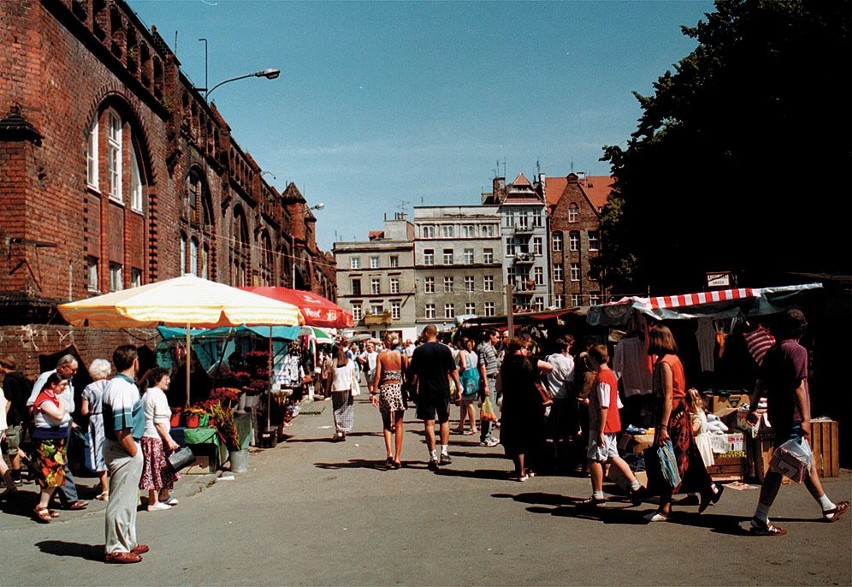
x,y
3,424
157,410
343,377
559,379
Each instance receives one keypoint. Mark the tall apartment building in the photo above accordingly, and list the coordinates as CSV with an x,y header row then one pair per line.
x,y
376,279
575,203
524,238
458,263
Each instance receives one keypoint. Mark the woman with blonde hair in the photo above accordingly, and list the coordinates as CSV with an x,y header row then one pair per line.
x,y
673,424
92,406
386,393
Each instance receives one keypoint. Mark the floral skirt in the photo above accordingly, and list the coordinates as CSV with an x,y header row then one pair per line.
x,y
156,472
50,459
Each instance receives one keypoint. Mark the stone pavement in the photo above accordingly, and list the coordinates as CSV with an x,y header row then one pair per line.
x,y
313,512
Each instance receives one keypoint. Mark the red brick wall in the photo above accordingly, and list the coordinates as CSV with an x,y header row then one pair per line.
x,y
588,220
26,343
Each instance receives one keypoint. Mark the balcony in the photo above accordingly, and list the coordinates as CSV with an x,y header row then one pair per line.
x,y
378,318
524,288
523,229
524,259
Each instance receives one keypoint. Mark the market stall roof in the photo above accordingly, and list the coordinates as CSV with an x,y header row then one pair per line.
x,y
278,332
186,300
316,310
523,318
726,303
321,336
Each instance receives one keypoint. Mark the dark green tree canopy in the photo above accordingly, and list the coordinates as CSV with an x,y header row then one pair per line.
x,y
740,157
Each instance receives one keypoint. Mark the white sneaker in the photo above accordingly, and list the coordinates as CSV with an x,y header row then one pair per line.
x,y
159,506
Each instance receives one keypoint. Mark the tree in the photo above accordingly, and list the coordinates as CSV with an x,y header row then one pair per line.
x,y
739,158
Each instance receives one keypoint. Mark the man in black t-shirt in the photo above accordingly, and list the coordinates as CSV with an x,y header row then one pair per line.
x,y
432,363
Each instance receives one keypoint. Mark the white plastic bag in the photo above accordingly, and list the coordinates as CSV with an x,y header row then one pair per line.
x,y
793,459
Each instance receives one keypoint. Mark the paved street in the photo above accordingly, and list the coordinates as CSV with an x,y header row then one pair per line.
x,y
313,512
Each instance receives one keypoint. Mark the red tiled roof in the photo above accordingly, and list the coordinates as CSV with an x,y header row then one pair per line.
x,y
376,234
521,181
596,188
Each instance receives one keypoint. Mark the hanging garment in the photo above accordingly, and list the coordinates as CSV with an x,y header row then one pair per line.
x,y
632,365
705,335
758,341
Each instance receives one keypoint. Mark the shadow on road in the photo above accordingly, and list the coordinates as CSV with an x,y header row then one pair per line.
x,y
622,510
92,552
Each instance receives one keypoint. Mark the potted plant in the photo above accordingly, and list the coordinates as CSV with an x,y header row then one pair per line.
x,y
226,427
193,416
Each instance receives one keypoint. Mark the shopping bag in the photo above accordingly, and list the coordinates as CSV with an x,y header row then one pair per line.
x,y
668,463
486,412
183,457
793,459
661,465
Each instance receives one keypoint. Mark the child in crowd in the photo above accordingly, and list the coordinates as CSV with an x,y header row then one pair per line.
x,y
604,425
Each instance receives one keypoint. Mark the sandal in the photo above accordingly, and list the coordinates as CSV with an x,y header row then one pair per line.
x,y
42,515
759,528
834,514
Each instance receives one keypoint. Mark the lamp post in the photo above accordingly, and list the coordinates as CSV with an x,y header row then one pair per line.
x,y
267,73
319,206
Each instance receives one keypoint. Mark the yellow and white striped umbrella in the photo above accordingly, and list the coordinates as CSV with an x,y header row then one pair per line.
x,y
183,301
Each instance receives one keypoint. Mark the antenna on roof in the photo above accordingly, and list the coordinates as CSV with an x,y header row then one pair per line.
x,y
403,206
538,167
572,166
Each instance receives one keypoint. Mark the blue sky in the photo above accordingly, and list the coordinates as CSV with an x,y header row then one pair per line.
x,y
383,106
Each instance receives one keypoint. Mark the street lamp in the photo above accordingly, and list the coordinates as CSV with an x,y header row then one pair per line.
x,y
267,73
319,206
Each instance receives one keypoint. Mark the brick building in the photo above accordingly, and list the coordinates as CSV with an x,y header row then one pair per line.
x,y
574,204
115,172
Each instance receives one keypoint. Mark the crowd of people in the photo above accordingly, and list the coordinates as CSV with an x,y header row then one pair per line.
x,y
128,441
565,399
561,400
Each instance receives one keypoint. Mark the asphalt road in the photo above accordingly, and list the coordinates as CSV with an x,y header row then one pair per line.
x,y
313,512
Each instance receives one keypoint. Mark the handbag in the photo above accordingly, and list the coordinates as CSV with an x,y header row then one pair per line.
x,y
183,457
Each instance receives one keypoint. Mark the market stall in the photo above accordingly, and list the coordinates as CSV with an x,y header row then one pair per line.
x,y
721,336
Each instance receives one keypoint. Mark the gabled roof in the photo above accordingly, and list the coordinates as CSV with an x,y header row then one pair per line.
x,y
596,188
376,235
521,181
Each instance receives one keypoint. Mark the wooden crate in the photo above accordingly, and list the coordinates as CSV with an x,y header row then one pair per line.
x,y
728,469
825,442
758,454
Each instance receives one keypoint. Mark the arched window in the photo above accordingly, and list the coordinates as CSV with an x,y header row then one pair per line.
x,y
116,190
197,221
267,269
240,249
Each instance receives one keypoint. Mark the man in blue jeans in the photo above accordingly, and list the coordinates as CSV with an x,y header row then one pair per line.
x,y
783,380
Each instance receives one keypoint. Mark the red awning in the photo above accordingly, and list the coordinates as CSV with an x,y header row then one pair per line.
x,y
316,310
705,297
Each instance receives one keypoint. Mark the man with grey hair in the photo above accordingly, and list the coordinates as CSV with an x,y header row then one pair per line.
x,y
66,368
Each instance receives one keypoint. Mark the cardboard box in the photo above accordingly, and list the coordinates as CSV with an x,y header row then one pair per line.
x,y
825,443
616,476
725,443
642,441
202,466
719,403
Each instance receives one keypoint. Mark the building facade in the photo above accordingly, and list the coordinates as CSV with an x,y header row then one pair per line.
x,y
575,203
116,172
376,279
458,263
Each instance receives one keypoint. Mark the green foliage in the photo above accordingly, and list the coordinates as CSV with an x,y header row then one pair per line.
x,y
737,158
